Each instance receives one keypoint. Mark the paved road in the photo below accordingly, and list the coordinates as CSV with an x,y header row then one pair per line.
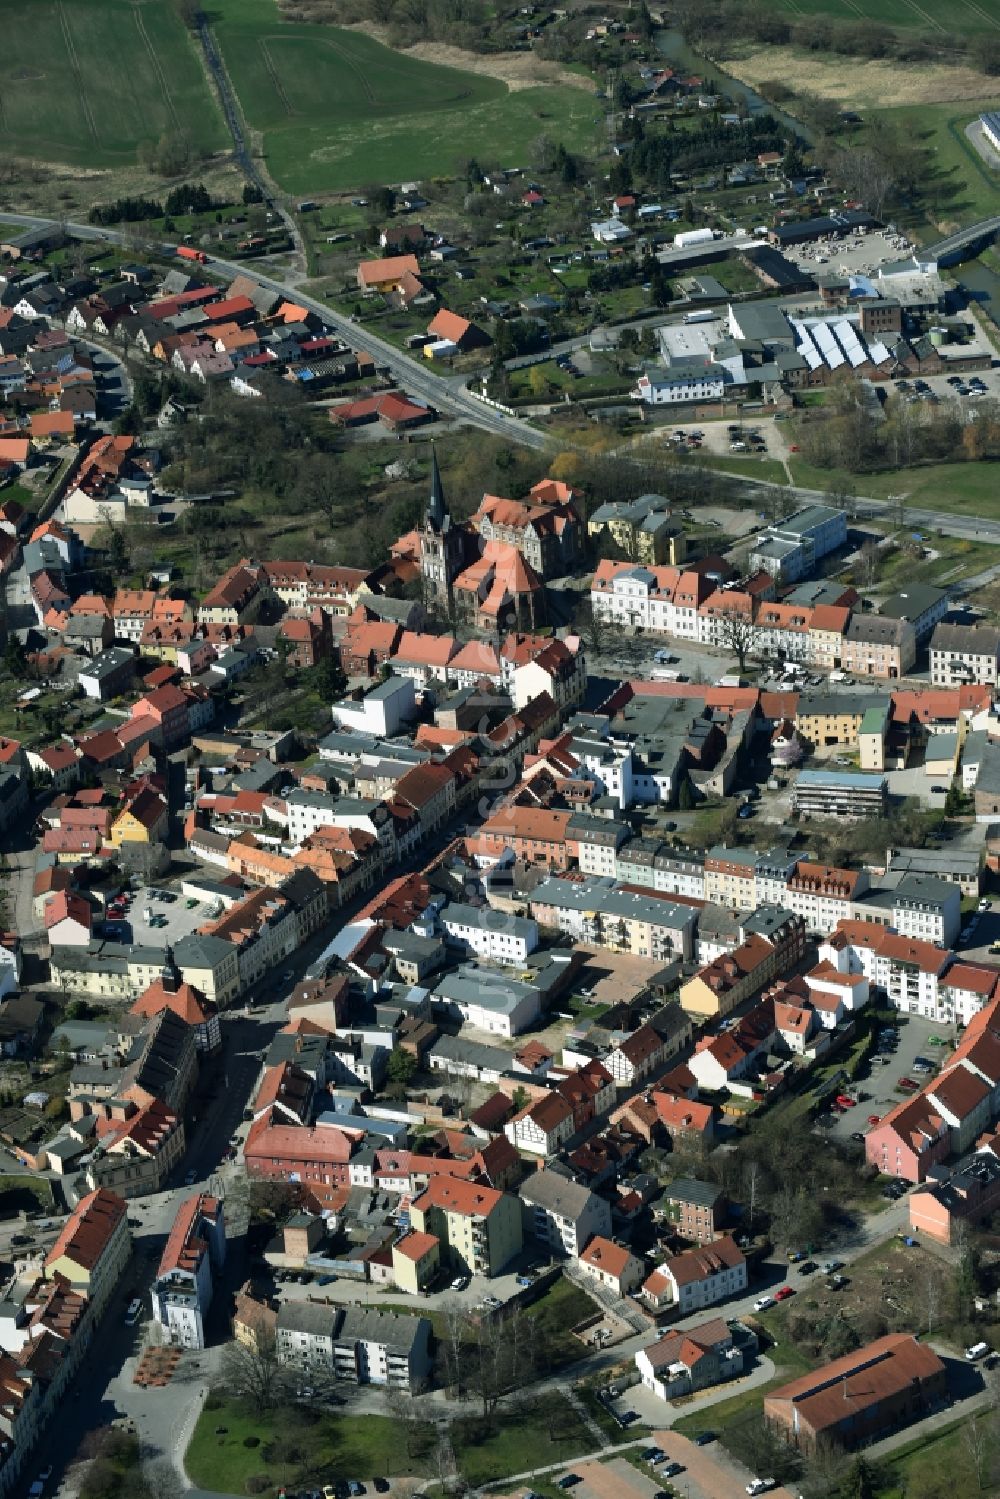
x,y
446,394
967,527
234,124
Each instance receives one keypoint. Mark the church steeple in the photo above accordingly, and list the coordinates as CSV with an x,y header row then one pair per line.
x,y
438,517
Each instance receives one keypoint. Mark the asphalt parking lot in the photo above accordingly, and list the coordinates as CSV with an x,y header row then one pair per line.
x,y
180,918
878,1083
979,931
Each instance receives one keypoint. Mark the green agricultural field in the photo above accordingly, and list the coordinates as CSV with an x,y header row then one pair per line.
x,y
337,110
84,82
965,16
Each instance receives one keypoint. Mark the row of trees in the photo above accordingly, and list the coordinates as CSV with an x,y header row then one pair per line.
x,y
851,433
188,197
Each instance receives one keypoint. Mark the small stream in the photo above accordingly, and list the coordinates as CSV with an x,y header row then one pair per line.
x,y
983,286
675,49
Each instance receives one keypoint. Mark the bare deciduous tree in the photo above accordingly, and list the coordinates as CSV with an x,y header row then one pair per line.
x,y
738,632
975,1437
870,557
932,1291
252,1371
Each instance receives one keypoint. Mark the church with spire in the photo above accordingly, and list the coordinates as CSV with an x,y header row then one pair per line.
x,y
490,570
442,547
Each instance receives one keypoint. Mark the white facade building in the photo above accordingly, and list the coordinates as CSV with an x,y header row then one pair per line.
x,y
182,1290
490,934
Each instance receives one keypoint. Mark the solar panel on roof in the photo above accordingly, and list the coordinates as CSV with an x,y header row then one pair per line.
x,y
848,340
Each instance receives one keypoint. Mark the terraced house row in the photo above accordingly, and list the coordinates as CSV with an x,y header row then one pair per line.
x,y
702,605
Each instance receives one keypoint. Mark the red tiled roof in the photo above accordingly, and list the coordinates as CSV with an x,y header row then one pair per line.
x,y
89,1229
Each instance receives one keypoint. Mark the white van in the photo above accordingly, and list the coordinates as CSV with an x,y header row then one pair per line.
x,y
977,1351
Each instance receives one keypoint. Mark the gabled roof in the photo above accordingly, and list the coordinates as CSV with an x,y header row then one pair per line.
x,y
607,1256
89,1229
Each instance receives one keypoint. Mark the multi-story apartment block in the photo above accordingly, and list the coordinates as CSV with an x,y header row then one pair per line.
x,y
600,843
358,1344
876,646
304,1335
697,1209
840,793
965,653
822,895
563,1214
479,1228
730,877
488,933
377,1347
828,719
927,908
918,977
597,910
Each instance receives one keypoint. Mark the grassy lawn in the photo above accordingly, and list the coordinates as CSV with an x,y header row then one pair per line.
x,y
968,186
338,110
22,494
960,488
734,275
293,1449
546,1431
942,1461
546,379
954,559
19,1194
768,470
788,1364
554,1313
86,82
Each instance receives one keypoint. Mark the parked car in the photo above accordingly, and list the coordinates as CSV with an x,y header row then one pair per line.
x,y
569,1480
762,1303
784,1293
908,1085
703,1438
761,1485
845,1101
